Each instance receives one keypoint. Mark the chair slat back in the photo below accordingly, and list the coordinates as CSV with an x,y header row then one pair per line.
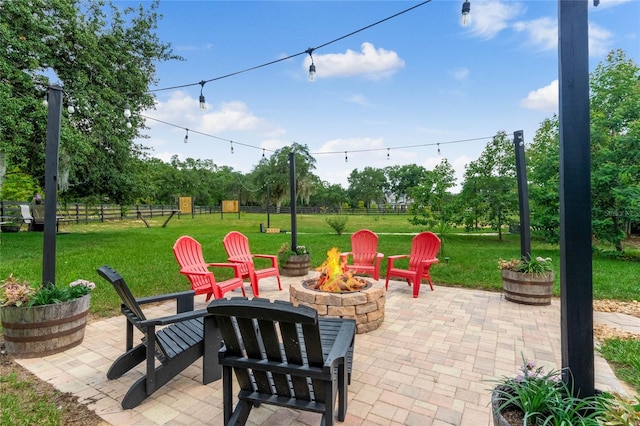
x,y
25,211
236,245
123,291
277,332
364,247
188,253
424,246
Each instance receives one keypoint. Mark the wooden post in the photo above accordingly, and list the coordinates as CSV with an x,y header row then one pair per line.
x,y
575,197
51,185
292,191
523,195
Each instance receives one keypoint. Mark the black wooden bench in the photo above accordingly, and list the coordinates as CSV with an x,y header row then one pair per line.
x,y
283,355
178,345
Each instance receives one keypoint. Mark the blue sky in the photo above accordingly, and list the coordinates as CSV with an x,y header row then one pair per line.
x,y
386,95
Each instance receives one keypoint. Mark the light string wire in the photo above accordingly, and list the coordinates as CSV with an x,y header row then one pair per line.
x,y
306,51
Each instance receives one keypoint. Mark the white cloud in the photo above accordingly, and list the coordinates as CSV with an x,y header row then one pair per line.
x,y
489,18
460,73
370,62
542,33
182,110
352,144
598,40
359,100
545,98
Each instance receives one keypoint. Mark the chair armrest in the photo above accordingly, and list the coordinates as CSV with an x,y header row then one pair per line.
x,y
430,261
274,259
381,255
344,339
168,296
345,255
392,259
171,319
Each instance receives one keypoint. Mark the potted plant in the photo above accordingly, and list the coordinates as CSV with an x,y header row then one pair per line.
x,y
536,397
293,263
43,321
528,280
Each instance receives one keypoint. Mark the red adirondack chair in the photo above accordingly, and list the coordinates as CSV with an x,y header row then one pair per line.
x,y
188,253
237,247
364,251
424,249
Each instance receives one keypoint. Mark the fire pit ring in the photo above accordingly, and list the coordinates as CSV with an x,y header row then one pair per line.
x,y
308,285
365,305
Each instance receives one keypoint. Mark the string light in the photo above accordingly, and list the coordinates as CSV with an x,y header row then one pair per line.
x,y
388,156
186,136
231,147
127,111
346,159
128,123
438,148
71,108
203,103
312,67
465,19
262,152
45,101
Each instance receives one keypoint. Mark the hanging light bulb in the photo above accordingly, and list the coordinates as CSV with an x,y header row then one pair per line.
x,y
231,146
45,101
388,156
186,136
71,108
465,19
203,103
262,152
128,123
312,67
346,159
438,149
127,111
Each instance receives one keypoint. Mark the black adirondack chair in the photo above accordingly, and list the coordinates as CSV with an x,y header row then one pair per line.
x,y
283,355
177,345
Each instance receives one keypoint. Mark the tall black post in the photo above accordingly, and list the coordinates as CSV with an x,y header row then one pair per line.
x,y
268,202
575,197
292,191
523,195
51,185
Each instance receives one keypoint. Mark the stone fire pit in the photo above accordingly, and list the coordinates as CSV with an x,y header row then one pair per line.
x,y
365,306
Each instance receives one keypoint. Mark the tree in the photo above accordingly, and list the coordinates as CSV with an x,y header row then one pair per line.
x,y
366,186
402,179
543,164
105,58
432,200
615,156
276,171
328,196
492,181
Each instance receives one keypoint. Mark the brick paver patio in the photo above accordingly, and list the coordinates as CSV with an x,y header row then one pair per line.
x,y
431,362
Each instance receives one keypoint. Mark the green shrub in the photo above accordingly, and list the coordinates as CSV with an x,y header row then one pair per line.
x,y
338,223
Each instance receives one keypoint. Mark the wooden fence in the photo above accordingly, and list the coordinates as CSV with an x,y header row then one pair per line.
x,y
85,213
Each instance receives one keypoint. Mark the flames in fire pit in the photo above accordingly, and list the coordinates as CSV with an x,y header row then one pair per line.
x,y
334,276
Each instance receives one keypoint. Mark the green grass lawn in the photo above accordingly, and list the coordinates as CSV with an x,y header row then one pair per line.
x,y
145,258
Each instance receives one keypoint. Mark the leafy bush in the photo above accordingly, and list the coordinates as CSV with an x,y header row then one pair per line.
x,y
338,223
533,265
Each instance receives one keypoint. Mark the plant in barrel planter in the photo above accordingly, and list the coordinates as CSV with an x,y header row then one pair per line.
x,y
43,321
528,280
536,397
293,263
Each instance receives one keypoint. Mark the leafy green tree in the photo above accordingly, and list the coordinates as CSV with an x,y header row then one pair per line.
x,y
329,196
615,153
432,197
366,186
104,57
491,180
544,175
276,171
402,179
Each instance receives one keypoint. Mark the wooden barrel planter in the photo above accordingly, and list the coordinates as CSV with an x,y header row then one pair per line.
x,y
528,289
296,266
37,331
